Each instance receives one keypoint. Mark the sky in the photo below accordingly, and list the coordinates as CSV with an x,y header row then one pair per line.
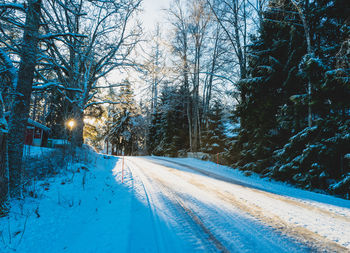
x,y
153,13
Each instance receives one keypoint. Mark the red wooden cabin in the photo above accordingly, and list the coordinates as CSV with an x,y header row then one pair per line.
x,y
36,133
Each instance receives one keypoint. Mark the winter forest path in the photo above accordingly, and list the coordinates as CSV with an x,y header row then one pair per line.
x,y
173,205
233,215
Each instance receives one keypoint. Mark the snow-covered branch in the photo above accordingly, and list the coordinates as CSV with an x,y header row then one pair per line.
x,y
104,102
13,6
56,35
53,85
10,68
219,76
110,86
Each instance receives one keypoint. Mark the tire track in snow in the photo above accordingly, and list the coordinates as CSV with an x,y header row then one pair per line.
x,y
257,189
199,222
302,234
305,236
244,230
193,217
177,205
150,208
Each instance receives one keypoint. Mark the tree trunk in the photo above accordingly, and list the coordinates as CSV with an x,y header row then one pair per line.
x,y
3,174
20,110
196,116
4,180
310,51
207,95
188,95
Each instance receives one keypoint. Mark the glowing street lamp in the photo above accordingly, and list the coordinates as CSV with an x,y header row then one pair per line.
x,y
71,124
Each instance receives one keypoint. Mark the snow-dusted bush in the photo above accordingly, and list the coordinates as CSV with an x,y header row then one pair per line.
x,y
342,187
44,164
49,162
314,157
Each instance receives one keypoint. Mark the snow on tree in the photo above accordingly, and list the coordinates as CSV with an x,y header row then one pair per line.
x,y
213,138
125,124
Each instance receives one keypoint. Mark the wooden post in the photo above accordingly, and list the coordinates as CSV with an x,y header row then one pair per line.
x,y
123,169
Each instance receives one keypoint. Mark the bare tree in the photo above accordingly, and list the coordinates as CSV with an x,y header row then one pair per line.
x,y
81,62
20,108
231,15
212,67
198,23
180,47
154,66
238,19
75,53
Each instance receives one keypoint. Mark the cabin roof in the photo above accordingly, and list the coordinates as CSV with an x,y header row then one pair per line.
x,y
33,123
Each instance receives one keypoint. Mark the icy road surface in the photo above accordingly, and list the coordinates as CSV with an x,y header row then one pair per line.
x,y
169,205
215,211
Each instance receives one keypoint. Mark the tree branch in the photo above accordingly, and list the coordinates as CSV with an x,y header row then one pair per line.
x,y
13,6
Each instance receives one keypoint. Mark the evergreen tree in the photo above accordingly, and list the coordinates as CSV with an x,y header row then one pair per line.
x,y
272,78
314,157
123,130
154,134
213,139
57,114
275,138
168,132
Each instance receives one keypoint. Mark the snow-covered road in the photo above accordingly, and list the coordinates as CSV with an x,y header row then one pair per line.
x,y
159,204
212,211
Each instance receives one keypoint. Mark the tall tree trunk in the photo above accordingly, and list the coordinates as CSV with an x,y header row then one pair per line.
x,y
12,73
3,156
20,110
195,109
303,14
3,174
207,95
155,78
188,95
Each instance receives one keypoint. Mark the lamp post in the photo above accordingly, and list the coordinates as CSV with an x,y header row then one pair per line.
x,y
71,124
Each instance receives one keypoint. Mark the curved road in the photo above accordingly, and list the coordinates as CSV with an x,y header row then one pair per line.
x,y
209,212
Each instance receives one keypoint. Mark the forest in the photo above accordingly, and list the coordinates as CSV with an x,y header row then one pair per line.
x,y
260,85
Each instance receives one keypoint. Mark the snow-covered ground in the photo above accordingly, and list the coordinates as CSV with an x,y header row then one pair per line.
x,y
316,219
36,151
79,211
171,205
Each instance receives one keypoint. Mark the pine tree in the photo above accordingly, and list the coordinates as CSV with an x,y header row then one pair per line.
x,y
272,78
314,157
154,135
123,121
275,138
213,140
168,133
57,114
